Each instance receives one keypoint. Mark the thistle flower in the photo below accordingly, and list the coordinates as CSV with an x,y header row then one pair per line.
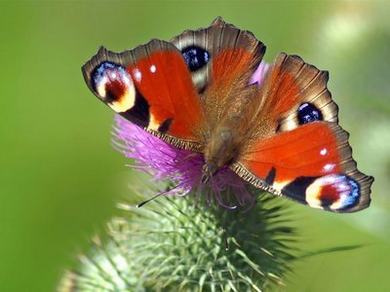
x,y
165,162
175,245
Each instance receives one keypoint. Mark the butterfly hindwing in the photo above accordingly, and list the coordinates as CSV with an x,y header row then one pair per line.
x,y
222,59
309,97
213,52
302,153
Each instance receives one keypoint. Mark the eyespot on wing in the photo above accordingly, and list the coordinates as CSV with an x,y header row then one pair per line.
x,y
114,86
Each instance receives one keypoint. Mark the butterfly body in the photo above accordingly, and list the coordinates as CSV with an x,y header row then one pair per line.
x,y
225,135
198,92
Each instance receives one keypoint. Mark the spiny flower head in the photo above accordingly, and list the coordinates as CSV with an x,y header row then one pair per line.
x,y
177,245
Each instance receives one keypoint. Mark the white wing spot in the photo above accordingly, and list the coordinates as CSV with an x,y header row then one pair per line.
x,y
329,167
137,75
323,151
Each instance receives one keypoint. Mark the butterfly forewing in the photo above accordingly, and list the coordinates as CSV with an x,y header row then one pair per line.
x,y
150,86
297,149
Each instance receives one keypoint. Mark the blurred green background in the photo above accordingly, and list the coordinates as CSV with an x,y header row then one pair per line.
x,y
60,177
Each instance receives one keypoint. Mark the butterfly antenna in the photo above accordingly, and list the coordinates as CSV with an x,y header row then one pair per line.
x,y
149,200
167,190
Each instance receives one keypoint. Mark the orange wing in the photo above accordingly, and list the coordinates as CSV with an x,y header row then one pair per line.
x,y
311,164
306,156
151,86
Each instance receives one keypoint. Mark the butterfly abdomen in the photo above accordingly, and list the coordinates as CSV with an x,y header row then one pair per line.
x,y
221,148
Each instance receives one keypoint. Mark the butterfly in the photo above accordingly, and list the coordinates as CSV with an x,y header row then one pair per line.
x,y
195,92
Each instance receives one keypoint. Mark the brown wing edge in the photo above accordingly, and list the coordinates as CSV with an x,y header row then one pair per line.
x,y
249,177
178,143
349,167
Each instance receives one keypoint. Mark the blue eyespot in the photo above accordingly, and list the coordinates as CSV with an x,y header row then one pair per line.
x,y
308,113
101,71
112,83
195,57
352,198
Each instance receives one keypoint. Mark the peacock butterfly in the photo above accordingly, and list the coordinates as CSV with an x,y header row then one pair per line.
x,y
195,92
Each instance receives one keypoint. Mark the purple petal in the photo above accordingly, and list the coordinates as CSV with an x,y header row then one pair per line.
x,y
258,76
